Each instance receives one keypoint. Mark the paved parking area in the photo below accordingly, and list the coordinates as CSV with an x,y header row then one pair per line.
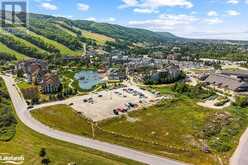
x,y
103,103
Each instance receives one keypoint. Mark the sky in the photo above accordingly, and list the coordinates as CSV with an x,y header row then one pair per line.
x,y
210,19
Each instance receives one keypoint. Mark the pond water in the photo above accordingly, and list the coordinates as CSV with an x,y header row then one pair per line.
x,y
88,79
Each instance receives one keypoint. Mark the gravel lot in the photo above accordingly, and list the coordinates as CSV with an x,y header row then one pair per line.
x,y
101,108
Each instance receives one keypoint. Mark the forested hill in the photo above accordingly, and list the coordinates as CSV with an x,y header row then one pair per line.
x,y
49,36
114,31
124,33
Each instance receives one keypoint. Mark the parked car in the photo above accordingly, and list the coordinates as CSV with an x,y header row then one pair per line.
x,y
131,104
30,107
120,110
116,112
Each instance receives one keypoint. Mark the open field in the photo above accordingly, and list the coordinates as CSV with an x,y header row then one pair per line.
x,y
29,143
100,39
176,129
150,126
60,113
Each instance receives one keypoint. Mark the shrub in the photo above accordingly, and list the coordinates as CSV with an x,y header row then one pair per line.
x,y
241,101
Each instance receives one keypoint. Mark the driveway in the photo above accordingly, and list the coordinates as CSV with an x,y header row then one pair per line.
x,y
24,115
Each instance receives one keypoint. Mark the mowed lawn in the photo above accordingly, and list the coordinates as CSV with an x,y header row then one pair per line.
x,y
173,124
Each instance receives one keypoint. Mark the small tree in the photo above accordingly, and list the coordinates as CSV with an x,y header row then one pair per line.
x,y
241,101
20,73
45,161
42,152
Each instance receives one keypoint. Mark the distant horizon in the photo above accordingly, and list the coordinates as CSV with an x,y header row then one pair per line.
x,y
215,19
199,38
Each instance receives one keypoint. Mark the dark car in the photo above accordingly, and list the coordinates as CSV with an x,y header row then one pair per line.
x,y
30,107
116,112
131,104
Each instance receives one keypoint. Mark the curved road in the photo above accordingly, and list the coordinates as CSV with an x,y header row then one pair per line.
x,y
240,156
24,115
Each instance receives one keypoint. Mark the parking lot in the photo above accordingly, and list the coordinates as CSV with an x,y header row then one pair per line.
x,y
108,104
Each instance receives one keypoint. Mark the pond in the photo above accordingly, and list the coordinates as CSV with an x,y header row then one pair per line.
x,y
88,79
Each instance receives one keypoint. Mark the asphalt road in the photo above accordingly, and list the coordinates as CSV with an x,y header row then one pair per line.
x,y
24,115
240,156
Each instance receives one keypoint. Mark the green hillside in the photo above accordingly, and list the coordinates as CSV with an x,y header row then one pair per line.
x,y
120,32
48,36
5,49
63,49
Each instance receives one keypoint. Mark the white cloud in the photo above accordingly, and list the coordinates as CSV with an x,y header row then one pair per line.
x,y
233,1
150,6
83,7
65,16
246,1
233,13
48,6
145,11
111,19
129,3
213,21
165,21
90,19
212,13
219,34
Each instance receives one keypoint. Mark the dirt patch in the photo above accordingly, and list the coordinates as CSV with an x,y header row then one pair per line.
x,y
131,119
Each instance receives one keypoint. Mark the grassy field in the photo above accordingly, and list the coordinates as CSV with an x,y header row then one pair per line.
x,y
66,30
177,129
24,85
5,49
29,143
7,119
56,114
100,39
151,126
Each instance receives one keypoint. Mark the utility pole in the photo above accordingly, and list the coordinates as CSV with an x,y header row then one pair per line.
x,y
93,130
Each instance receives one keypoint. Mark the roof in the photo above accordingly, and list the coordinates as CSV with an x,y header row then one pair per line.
x,y
50,78
239,73
226,81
